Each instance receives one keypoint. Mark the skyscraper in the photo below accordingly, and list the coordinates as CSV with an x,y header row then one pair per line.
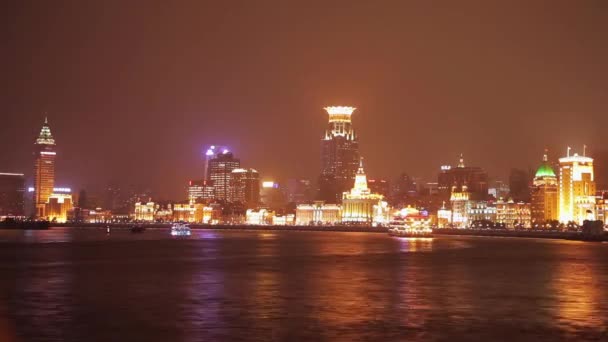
x,y
219,172
44,168
339,154
12,191
576,188
245,187
544,194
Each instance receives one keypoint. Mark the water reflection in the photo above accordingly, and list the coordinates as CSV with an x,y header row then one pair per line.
x,y
415,244
579,281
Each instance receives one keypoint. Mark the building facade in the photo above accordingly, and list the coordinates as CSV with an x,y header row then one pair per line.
x,y
339,155
44,169
576,189
544,194
200,191
12,194
318,213
57,207
220,174
245,187
361,206
513,214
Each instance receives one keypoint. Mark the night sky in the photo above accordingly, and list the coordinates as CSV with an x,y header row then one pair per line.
x,y
135,90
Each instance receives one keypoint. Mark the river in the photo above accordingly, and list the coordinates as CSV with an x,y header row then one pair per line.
x,y
69,284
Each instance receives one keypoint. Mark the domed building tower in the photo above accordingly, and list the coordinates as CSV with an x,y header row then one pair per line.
x,y
545,194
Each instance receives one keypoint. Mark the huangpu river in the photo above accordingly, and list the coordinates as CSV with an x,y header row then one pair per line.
x,y
70,284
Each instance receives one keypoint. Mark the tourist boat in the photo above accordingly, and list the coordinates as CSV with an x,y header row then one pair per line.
x,y
410,222
180,229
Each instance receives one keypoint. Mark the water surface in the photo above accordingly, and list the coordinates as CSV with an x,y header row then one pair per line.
x,y
84,285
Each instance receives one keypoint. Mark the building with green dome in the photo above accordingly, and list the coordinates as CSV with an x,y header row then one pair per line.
x,y
544,195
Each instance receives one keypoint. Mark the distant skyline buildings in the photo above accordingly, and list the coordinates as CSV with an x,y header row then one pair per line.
x,y
461,178
12,194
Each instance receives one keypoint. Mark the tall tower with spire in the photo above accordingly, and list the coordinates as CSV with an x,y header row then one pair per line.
x,y
44,168
339,154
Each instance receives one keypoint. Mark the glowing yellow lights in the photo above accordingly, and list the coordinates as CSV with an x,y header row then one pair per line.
x,y
339,110
268,184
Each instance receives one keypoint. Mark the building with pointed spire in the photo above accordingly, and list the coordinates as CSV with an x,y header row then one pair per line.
x,y
576,188
544,194
361,206
44,169
339,154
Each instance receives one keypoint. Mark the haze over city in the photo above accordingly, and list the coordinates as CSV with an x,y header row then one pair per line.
x,y
135,92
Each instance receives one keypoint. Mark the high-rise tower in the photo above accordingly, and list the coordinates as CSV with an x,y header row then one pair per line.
x,y
544,194
576,188
339,154
44,168
219,173
245,187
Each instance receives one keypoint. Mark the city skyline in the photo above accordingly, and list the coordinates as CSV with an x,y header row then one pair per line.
x,y
149,108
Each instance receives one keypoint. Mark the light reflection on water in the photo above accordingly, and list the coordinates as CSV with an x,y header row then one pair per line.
x,y
74,284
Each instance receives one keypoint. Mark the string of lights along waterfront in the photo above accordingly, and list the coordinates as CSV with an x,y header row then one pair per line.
x,y
560,195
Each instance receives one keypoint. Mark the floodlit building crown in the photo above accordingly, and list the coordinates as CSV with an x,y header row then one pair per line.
x,y
339,110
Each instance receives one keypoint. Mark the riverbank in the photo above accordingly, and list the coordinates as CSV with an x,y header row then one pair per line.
x,y
355,229
539,234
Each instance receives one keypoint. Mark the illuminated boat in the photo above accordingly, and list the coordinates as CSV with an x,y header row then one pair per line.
x,y
410,222
180,229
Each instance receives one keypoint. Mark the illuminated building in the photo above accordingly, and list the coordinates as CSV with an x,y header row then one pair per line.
x,y
144,211
272,195
209,154
602,208
454,178
283,220
200,191
57,207
163,214
12,190
481,211
339,154
461,204
44,169
544,194
318,213
219,172
576,189
245,187
258,217
192,212
361,206
444,217
513,214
